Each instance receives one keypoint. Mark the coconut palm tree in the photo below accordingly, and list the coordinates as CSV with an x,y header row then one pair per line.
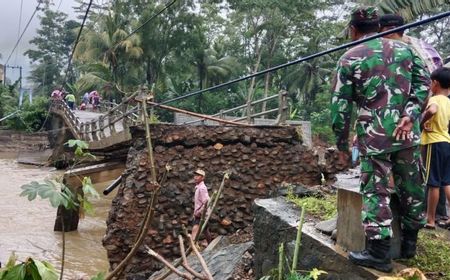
x,y
408,9
109,48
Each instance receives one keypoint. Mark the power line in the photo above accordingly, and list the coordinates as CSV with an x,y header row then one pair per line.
x,y
309,57
142,25
59,5
20,23
25,29
76,41
71,56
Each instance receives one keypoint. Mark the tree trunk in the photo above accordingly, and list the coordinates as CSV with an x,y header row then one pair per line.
x,y
253,81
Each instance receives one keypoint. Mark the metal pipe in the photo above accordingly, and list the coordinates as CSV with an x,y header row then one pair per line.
x,y
112,186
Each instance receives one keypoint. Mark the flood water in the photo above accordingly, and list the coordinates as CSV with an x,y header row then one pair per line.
x,y
26,227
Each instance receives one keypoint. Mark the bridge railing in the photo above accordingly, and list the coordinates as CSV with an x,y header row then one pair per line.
x,y
71,119
250,109
115,120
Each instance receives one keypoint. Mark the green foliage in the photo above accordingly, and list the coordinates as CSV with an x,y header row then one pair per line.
x,y
99,276
80,147
56,192
29,270
433,253
52,43
323,208
31,116
409,9
59,194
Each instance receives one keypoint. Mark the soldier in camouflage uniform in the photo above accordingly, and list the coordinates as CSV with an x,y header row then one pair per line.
x,y
388,83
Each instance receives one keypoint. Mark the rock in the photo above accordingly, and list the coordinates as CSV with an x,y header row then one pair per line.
x,y
168,239
328,226
225,222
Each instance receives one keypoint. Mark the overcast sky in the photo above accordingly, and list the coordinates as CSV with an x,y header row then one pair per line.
x,y
9,34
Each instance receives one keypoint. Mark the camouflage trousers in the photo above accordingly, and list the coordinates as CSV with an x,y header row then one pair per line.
x,y
382,175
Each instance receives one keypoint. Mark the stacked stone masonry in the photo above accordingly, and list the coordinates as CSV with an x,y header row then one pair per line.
x,y
260,158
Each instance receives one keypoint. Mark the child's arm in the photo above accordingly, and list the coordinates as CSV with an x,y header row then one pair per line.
x,y
429,112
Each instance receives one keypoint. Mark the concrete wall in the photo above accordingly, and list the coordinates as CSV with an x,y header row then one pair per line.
x,y
19,141
260,158
276,222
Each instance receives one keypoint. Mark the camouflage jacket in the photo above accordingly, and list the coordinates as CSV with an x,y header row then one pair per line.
x,y
386,80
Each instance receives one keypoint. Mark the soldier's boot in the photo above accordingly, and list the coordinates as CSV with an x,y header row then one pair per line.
x,y
375,256
409,243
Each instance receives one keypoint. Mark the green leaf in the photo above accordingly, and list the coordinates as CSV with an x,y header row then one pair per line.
x,y
56,199
30,190
12,260
78,143
99,276
315,273
46,270
79,152
9,265
15,273
88,188
88,207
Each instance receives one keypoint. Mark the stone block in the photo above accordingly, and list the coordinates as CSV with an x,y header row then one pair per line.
x,y
275,222
350,232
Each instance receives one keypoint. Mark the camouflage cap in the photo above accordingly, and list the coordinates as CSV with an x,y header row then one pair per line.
x,y
364,14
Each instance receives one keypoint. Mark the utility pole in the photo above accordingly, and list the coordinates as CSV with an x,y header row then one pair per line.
x,y
20,74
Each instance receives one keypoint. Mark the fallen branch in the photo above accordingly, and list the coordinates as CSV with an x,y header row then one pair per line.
x,y
185,263
200,258
168,264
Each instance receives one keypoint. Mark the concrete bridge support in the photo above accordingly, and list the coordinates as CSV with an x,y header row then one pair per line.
x,y
102,172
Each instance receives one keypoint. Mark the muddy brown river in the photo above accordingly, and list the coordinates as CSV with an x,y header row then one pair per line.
x,y
26,228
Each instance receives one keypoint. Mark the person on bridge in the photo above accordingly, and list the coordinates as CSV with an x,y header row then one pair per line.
x,y
201,198
56,94
85,99
388,83
70,99
95,99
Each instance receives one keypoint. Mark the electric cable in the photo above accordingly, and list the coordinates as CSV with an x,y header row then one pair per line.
x,y
59,5
24,30
309,57
70,59
69,63
20,25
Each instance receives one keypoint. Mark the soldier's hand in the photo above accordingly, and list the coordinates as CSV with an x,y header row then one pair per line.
x,y
403,129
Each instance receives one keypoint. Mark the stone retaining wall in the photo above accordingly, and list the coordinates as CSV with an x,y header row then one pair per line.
x,y
261,158
16,141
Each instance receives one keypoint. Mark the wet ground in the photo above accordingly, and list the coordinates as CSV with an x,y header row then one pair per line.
x,y
27,227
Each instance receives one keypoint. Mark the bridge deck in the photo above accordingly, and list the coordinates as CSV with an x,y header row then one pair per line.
x,y
101,131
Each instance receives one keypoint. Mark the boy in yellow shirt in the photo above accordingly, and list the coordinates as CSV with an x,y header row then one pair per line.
x,y
436,142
